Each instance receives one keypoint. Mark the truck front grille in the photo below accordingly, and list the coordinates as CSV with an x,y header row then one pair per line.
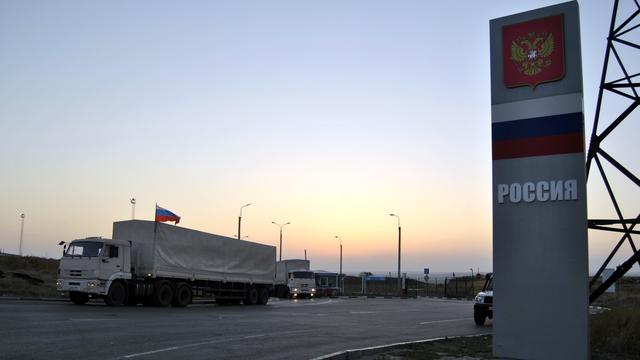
x,y
76,273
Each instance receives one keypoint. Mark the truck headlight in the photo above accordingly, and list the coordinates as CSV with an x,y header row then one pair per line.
x,y
91,284
295,289
58,282
313,289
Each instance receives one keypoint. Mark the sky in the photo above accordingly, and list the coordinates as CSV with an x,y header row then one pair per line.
x,y
329,115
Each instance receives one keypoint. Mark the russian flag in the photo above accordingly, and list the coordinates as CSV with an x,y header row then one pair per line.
x,y
163,215
547,135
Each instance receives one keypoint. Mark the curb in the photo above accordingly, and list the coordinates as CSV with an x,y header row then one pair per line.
x,y
358,353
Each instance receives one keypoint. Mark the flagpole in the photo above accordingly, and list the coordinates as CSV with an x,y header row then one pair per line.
x,y
155,228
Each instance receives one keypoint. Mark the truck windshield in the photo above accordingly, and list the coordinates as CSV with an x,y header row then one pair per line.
x,y
84,248
303,275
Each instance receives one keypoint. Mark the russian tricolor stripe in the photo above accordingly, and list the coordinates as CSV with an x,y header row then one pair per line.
x,y
163,215
547,135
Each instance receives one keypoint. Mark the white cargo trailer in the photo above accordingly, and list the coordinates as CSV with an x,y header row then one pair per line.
x,y
294,279
162,265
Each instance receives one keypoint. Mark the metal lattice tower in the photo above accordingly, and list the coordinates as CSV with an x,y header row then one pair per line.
x,y
621,56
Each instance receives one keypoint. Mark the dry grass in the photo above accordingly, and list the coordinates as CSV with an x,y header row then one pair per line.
x,y
615,334
478,346
28,276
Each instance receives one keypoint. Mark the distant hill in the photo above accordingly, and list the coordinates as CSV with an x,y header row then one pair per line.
x,y
28,276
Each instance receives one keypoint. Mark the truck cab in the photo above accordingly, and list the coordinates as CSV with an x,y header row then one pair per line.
x,y
302,283
90,266
483,302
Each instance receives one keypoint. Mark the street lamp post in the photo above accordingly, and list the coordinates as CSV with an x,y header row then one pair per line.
x,y
240,219
280,226
22,215
399,248
340,273
133,208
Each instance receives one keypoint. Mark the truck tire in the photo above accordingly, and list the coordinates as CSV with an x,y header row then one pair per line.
x,y
479,318
182,296
162,294
251,297
263,296
78,298
117,295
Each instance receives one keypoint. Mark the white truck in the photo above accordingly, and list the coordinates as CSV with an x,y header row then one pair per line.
x,y
159,264
294,279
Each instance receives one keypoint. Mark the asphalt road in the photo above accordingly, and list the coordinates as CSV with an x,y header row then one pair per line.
x,y
286,329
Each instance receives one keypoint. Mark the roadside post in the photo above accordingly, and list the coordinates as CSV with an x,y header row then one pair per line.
x,y
539,186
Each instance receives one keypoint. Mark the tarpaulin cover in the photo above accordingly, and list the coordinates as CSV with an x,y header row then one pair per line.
x,y
184,253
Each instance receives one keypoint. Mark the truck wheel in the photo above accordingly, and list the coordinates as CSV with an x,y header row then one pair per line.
x,y
163,294
78,298
182,297
251,297
479,318
117,295
263,296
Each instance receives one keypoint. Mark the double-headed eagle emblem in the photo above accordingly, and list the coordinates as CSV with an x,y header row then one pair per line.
x,y
531,53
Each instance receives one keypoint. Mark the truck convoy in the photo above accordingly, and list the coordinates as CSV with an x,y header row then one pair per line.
x,y
159,264
294,279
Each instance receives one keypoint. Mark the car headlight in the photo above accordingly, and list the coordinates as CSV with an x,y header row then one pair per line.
x,y
91,284
313,289
58,282
295,289
479,299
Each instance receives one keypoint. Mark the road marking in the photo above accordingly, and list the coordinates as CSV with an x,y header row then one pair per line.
x,y
443,321
363,312
215,341
72,319
310,303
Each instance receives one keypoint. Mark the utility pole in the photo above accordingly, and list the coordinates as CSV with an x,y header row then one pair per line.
x,y
133,208
240,219
399,250
340,274
22,215
280,226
